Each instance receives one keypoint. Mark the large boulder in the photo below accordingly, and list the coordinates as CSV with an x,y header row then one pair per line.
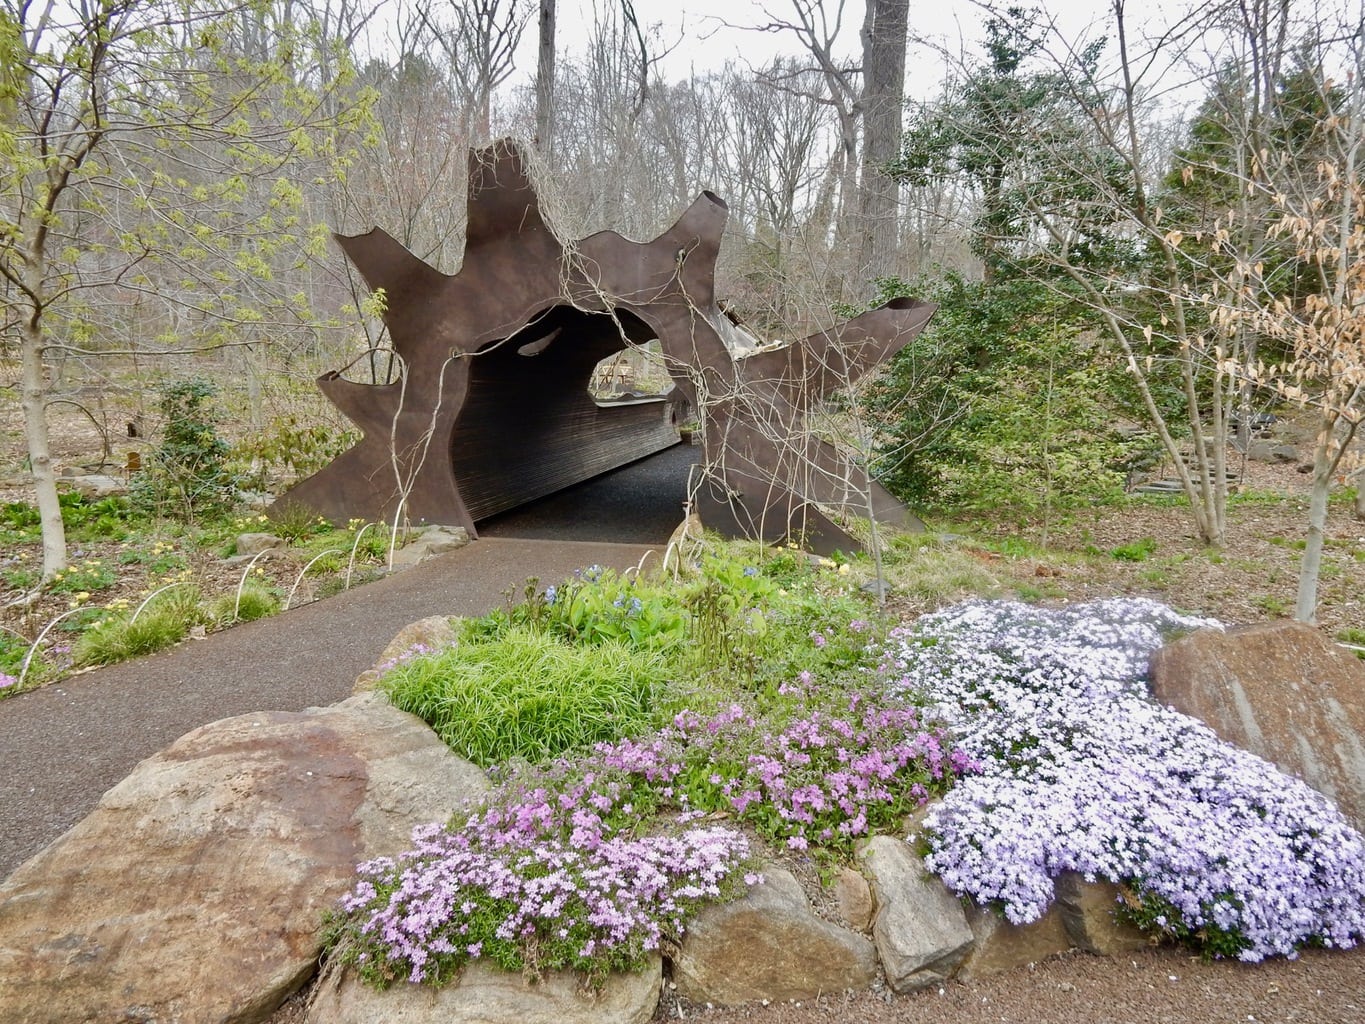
x,y
428,543
920,929
769,945
1281,690
485,995
194,892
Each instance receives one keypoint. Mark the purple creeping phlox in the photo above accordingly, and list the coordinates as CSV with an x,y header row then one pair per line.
x,y
1082,771
481,892
838,765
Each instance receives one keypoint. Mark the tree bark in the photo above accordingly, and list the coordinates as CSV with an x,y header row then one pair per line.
x,y
34,404
884,40
545,79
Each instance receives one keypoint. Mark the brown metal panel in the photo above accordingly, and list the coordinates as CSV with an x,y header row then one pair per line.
x,y
493,407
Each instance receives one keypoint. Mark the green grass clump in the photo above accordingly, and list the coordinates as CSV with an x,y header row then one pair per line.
x,y
528,695
1135,551
122,635
254,602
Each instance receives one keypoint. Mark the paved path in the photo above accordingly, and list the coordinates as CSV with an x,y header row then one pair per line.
x,y
62,746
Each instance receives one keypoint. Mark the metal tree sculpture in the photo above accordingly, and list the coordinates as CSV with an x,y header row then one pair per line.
x,y
492,408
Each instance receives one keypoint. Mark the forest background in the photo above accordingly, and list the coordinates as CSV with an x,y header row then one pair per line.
x,y
1144,232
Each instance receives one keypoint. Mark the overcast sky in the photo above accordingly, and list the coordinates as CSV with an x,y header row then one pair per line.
x,y
708,32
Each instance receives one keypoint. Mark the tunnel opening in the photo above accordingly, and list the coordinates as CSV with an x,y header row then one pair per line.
x,y
535,420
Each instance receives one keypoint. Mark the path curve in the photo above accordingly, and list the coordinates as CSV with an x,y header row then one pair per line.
x,y
63,746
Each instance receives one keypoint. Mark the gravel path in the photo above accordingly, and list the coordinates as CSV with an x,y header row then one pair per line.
x,y
1158,987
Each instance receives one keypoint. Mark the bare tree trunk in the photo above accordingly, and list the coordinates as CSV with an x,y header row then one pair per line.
x,y
884,39
1306,605
34,403
545,79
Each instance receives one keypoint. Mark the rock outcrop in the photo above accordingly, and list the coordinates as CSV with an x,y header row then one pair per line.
x,y
1282,691
195,890
429,634
1089,912
998,946
769,944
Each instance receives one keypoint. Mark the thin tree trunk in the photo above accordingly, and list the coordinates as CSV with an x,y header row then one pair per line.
x,y
34,404
884,40
545,79
1306,606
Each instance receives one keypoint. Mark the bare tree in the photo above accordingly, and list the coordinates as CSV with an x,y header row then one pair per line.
x,y
480,40
545,77
884,40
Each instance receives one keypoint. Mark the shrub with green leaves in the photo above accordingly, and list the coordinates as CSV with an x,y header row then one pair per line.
x,y
120,635
186,477
253,601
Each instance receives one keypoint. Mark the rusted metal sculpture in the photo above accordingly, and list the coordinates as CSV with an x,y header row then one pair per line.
x,y
493,409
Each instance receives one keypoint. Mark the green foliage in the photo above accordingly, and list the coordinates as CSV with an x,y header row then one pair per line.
x,y
165,621
287,448
254,602
161,558
528,694
296,522
737,625
84,518
186,478
1001,406
998,132
1135,551
89,575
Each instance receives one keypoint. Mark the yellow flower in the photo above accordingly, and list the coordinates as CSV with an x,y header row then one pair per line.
x,y
843,569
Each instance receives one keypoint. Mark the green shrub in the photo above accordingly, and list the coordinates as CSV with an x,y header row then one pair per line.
x,y
186,478
528,694
295,522
89,575
1135,551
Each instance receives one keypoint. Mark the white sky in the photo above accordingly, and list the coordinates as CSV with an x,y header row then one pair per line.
x,y
705,39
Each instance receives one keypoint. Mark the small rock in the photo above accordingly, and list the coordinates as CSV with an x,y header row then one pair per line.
x,y
1089,913
769,945
433,632
431,541
97,485
920,930
853,897
1000,946
249,545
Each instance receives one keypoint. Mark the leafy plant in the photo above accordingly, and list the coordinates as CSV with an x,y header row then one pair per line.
x,y
89,575
295,522
1134,551
253,602
122,634
186,478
